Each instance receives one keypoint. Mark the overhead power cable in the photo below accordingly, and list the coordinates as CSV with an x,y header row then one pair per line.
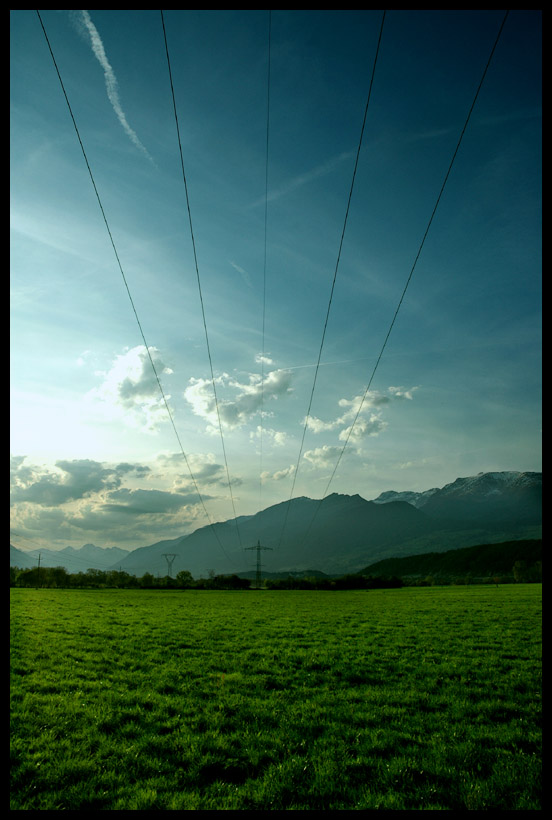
x,y
416,258
162,392
199,282
335,274
265,257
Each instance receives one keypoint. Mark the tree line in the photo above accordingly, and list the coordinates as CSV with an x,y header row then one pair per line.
x,y
60,578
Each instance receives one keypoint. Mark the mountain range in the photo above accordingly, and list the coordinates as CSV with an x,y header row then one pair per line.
x,y
338,534
74,560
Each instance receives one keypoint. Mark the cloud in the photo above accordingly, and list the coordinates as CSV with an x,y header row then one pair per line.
x,y
72,480
205,469
100,502
244,274
372,399
316,425
130,388
353,422
146,502
83,357
111,84
362,428
279,475
304,179
401,393
277,437
323,456
248,401
260,359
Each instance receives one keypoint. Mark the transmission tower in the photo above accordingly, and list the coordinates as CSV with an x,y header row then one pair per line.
x,y
169,557
258,573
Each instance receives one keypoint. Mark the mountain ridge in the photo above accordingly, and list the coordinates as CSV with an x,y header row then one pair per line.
x,y
343,533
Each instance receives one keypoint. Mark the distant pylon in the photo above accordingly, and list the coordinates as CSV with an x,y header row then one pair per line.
x,y
258,572
169,557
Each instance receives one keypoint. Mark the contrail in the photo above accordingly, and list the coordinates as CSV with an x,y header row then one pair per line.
x,y
303,179
110,81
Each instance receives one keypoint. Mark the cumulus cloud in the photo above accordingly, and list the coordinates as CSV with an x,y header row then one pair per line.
x,y
72,480
276,437
146,502
130,389
372,426
248,400
203,466
81,498
322,456
260,359
362,416
279,475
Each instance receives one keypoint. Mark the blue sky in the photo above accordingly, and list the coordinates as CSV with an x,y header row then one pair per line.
x,y
458,388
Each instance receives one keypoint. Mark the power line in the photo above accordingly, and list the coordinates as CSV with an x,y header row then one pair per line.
x,y
335,274
438,200
162,392
265,255
199,280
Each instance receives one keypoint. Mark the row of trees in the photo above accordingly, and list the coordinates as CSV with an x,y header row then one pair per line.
x,y
58,577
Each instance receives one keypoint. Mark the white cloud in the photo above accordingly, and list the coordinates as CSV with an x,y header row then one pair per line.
x,y
69,481
130,389
276,437
372,426
263,359
354,422
279,475
248,400
111,84
146,502
319,426
84,499
203,466
401,393
322,456
372,399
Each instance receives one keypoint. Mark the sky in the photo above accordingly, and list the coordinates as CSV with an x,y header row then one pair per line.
x,y
260,317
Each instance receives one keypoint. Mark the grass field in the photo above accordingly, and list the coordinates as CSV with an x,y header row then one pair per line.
x,y
410,699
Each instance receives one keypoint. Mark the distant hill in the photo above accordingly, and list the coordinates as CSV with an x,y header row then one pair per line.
x,y
480,561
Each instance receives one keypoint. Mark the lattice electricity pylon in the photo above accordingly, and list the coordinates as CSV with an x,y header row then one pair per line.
x,y
258,572
169,556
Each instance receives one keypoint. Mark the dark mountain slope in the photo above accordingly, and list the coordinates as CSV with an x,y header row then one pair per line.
x,y
331,535
482,560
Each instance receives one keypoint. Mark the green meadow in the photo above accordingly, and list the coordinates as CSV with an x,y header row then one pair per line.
x,y
401,699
